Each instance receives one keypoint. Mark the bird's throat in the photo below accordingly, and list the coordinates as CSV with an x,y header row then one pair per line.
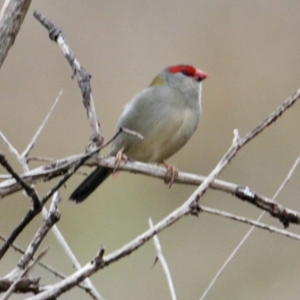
x,y
200,94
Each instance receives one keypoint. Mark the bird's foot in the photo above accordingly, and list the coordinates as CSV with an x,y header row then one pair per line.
x,y
172,172
119,157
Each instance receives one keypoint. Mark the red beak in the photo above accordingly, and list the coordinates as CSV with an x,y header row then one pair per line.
x,y
200,75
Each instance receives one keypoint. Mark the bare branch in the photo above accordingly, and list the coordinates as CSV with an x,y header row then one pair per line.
x,y
33,140
24,285
70,281
28,189
163,262
40,158
33,212
12,15
241,243
272,118
10,147
86,284
59,167
22,274
46,225
83,78
16,275
249,221
4,284
36,210
52,218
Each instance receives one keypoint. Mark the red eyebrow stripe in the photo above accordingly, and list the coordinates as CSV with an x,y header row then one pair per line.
x,y
189,69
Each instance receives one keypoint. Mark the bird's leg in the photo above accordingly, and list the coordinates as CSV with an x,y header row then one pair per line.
x,y
119,157
170,170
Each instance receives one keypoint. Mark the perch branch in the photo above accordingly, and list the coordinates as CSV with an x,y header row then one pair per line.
x,y
59,167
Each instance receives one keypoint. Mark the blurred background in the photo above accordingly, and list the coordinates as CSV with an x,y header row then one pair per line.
x,y
251,51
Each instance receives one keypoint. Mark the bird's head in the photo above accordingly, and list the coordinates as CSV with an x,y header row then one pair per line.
x,y
179,75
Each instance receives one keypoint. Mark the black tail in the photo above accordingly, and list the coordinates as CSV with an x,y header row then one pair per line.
x,y
90,184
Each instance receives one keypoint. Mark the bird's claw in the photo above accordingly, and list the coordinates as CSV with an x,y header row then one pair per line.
x,y
119,157
171,173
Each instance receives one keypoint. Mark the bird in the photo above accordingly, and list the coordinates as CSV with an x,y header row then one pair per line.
x,y
165,114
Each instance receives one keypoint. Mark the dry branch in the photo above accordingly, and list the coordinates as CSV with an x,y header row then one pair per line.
x,y
13,279
83,78
59,167
12,15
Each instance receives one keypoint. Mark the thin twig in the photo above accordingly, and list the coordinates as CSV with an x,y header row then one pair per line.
x,y
10,147
83,78
241,243
163,262
52,218
40,158
251,222
38,132
28,189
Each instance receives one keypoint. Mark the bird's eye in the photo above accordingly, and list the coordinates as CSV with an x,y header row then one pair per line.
x,y
185,72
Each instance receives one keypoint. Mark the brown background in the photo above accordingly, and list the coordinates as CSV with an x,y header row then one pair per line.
x,y
251,50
